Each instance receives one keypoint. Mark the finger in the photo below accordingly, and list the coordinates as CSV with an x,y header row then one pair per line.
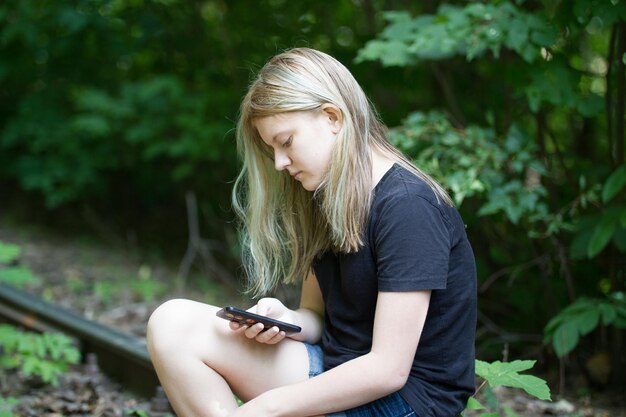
x,y
276,339
264,306
235,325
253,331
269,335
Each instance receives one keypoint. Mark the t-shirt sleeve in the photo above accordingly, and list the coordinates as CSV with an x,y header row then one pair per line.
x,y
412,245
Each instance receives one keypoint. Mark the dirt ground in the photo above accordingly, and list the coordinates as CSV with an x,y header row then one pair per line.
x,y
120,289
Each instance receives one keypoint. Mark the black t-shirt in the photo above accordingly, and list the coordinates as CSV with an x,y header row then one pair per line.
x,y
412,242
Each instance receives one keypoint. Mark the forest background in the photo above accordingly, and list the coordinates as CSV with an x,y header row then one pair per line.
x,y
117,117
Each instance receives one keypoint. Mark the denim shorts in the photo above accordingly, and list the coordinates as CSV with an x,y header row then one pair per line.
x,y
393,405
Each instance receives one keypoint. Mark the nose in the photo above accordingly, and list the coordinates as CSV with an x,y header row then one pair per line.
x,y
281,161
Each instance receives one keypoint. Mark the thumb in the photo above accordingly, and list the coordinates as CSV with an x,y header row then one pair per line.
x,y
268,307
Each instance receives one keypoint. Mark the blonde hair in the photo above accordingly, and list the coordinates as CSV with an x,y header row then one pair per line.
x,y
284,226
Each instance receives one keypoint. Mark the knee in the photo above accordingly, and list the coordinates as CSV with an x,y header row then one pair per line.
x,y
168,325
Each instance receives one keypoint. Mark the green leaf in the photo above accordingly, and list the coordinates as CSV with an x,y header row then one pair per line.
x,y
601,236
518,365
588,321
506,374
390,53
474,404
565,338
614,184
608,313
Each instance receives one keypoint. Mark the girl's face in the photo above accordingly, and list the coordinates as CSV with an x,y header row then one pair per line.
x,y
302,142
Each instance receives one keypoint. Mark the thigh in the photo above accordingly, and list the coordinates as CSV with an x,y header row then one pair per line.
x,y
250,368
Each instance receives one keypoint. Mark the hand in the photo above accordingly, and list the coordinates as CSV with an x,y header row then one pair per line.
x,y
269,307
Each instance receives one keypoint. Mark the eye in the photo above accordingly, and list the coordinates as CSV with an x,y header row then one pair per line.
x,y
288,141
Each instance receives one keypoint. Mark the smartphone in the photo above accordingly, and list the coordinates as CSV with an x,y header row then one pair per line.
x,y
249,319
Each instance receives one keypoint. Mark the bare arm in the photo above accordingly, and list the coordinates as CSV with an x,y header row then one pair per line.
x,y
382,371
310,315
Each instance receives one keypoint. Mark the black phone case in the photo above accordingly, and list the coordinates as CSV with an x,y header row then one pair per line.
x,y
247,318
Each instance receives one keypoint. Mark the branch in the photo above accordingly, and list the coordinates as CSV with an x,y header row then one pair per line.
x,y
513,270
197,246
565,269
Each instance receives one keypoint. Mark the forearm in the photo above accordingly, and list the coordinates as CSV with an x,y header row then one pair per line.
x,y
354,383
382,371
311,324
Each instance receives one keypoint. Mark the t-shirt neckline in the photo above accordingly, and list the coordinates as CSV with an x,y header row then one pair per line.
x,y
387,174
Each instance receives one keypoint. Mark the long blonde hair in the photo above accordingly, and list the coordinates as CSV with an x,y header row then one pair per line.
x,y
284,226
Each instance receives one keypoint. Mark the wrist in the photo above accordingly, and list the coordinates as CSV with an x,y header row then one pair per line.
x,y
311,324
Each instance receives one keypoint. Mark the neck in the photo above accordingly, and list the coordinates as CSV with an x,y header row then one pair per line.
x,y
381,163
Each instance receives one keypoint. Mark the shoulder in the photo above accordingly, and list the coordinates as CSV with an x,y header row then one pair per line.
x,y
400,192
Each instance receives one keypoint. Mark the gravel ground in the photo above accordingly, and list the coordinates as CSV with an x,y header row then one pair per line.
x,y
80,393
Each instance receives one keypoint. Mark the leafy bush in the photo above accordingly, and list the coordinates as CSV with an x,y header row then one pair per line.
x,y
531,140
582,317
597,230
470,30
475,162
45,355
507,374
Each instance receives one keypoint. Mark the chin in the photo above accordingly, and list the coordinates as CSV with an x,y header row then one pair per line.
x,y
310,187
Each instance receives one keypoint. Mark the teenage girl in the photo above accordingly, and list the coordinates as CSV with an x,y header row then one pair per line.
x,y
388,304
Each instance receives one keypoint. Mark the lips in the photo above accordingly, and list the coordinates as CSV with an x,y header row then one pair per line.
x,y
296,175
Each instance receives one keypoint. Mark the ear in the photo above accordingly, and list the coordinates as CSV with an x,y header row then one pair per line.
x,y
333,115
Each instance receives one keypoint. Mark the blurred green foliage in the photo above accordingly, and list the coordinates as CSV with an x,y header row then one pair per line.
x,y
9,253
12,273
116,100
532,147
582,317
121,107
6,405
46,355
110,111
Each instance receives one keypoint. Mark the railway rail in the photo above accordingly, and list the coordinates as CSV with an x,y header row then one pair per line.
x,y
120,356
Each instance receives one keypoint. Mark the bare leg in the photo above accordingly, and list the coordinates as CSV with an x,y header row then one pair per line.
x,y
202,363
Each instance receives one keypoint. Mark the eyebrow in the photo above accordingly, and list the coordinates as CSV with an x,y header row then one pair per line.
x,y
279,134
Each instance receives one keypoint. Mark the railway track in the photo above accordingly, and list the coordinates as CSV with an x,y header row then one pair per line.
x,y
122,357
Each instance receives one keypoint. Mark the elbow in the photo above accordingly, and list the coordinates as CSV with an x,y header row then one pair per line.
x,y
397,380
390,375
393,378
